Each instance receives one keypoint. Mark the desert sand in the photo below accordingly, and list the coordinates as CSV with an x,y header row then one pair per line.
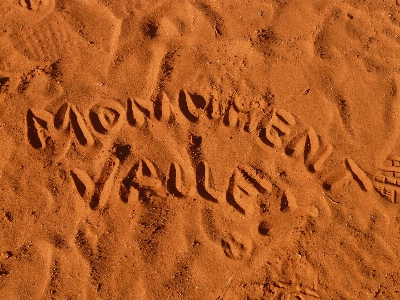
x,y
199,149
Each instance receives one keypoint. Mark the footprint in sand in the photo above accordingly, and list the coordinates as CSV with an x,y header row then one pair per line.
x,y
387,181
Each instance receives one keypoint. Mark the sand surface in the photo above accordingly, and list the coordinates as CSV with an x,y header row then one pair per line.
x,y
199,149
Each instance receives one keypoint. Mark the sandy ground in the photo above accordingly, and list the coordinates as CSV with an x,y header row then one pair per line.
x,y
199,149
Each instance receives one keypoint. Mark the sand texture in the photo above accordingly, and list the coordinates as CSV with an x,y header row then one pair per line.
x,y
199,149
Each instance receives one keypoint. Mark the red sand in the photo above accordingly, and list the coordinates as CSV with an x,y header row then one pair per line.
x,y
199,149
